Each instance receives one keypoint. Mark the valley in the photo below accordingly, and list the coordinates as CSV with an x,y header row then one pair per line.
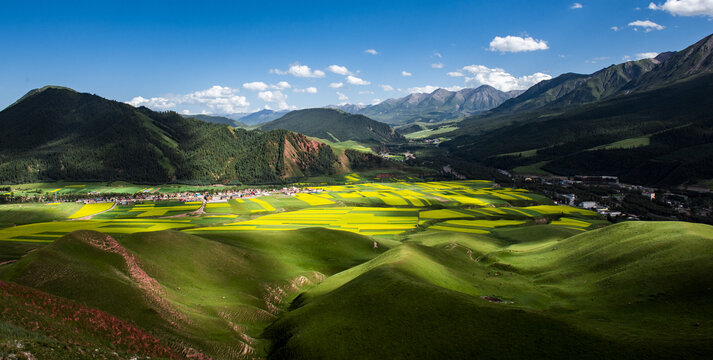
x,y
356,180
250,270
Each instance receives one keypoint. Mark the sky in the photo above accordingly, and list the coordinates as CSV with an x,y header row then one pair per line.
x,y
242,56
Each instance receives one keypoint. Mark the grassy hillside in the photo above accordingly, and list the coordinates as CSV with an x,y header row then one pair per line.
x,y
335,125
397,269
596,295
84,137
217,120
212,294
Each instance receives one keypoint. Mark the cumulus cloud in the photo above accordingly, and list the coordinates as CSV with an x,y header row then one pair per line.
x,y
298,70
336,85
255,86
437,65
647,25
356,81
274,97
218,98
340,70
646,55
405,73
387,87
261,86
375,101
455,74
576,6
371,51
309,90
430,88
160,103
517,44
437,54
500,79
615,28
686,7
342,97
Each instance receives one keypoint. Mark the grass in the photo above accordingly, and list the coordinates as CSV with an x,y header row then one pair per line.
x,y
534,169
20,214
626,143
427,133
383,270
581,297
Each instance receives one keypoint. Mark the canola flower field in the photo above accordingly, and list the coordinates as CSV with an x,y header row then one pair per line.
x,y
374,209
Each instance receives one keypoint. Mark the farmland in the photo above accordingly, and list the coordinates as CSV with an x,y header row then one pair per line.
x,y
288,274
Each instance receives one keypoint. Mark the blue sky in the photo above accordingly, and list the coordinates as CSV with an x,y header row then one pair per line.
x,y
222,57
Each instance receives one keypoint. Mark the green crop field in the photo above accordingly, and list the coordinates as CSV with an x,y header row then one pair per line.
x,y
399,270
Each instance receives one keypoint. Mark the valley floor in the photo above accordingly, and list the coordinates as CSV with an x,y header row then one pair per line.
x,y
399,269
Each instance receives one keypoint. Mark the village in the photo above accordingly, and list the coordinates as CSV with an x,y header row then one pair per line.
x,y
619,201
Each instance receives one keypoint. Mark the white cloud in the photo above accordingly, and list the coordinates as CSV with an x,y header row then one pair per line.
x,y
341,70
309,90
356,81
366,93
336,85
500,79
371,51
626,58
423,89
405,73
274,97
387,87
646,55
261,86
437,65
455,74
576,6
282,85
430,88
218,98
153,103
375,101
342,97
615,28
686,7
298,70
186,112
437,54
647,25
517,44
256,86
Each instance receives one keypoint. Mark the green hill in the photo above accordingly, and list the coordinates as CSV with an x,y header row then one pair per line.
x,y
654,130
78,136
217,120
213,294
617,292
335,125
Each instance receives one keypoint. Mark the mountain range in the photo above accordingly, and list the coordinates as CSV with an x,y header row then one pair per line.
x,y
79,136
439,105
648,122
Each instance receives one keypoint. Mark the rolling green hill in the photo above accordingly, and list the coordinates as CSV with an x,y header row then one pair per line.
x,y
609,293
212,294
335,125
78,136
217,120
